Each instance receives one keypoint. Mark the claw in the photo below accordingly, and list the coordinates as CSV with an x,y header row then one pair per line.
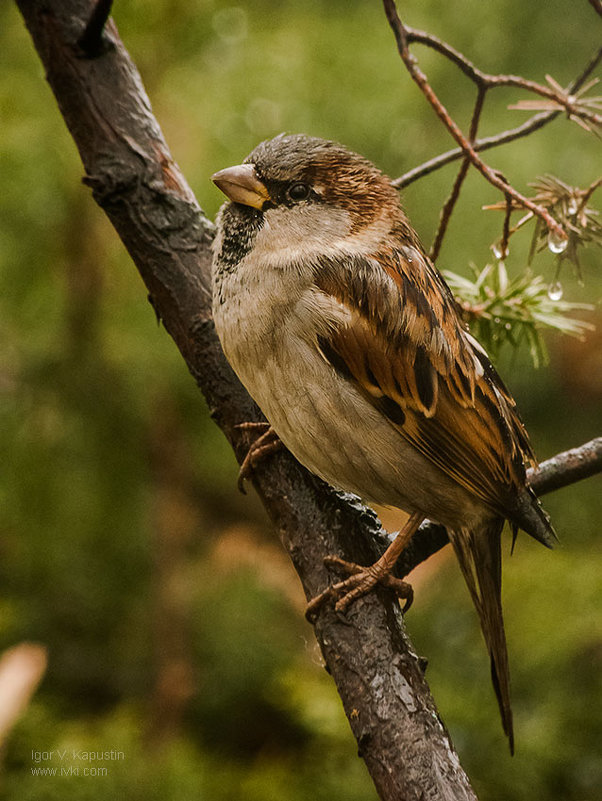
x,y
362,580
267,442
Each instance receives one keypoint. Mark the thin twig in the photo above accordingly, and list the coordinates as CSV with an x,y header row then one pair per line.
x,y
488,81
488,142
535,123
451,201
460,60
421,80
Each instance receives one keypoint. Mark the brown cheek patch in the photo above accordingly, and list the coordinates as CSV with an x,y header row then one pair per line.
x,y
363,192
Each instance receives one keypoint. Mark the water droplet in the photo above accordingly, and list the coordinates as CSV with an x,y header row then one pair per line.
x,y
556,243
409,253
555,291
507,326
497,320
498,251
572,207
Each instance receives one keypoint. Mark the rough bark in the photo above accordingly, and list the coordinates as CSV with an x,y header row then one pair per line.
x,y
134,179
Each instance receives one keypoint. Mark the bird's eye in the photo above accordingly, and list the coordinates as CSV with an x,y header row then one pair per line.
x,y
298,191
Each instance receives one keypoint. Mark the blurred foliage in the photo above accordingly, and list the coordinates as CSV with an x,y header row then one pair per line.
x,y
173,621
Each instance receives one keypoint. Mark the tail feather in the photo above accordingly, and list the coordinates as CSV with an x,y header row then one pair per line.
x,y
480,557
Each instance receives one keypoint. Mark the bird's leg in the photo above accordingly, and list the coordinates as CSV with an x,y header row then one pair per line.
x,y
362,579
267,442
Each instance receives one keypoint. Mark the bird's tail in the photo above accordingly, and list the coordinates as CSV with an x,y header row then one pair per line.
x,y
480,557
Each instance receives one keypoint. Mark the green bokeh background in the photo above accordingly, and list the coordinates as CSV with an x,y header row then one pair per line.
x,y
173,621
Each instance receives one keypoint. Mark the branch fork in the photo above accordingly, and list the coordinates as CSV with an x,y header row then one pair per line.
x,y
556,100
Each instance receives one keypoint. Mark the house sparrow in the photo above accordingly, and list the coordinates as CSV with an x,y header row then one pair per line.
x,y
349,339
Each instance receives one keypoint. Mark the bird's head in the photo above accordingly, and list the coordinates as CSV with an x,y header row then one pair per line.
x,y
304,195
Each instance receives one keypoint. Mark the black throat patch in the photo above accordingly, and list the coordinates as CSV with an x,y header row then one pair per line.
x,y
239,225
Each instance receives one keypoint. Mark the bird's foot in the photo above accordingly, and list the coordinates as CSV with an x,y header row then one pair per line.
x,y
361,580
266,443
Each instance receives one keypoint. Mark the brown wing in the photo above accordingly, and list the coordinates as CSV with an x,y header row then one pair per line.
x,y
406,347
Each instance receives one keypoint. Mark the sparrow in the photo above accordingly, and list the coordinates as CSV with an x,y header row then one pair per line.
x,y
350,341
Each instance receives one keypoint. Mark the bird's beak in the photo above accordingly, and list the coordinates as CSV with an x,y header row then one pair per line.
x,y
242,185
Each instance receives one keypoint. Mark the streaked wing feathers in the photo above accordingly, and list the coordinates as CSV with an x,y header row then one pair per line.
x,y
408,351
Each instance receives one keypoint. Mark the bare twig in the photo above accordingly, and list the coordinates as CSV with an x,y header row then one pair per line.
x,y
534,124
450,203
484,80
402,39
556,100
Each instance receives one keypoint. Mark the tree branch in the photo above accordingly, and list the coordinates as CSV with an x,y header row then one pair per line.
x,y
535,123
485,81
568,467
